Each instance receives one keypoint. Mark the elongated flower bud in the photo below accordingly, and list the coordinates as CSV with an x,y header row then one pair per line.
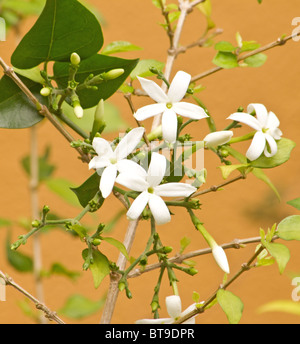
x,y
113,74
99,123
217,138
78,111
220,258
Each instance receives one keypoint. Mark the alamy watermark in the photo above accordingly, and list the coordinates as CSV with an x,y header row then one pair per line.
x,y
2,29
296,291
2,290
296,31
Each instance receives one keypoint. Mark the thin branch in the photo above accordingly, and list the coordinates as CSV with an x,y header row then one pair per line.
x,y
279,42
39,305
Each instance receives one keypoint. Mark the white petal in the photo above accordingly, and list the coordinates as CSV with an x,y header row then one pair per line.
x,y
129,142
257,146
107,180
273,121
189,110
132,181
272,145
217,138
98,162
138,205
261,113
276,133
179,86
157,169
102,147
173,304
220,257
174,190
149,111
154,321
130,167
246,119
159,209
153,90
169,125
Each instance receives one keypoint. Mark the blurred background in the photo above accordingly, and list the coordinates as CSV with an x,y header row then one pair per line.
x,y
239,211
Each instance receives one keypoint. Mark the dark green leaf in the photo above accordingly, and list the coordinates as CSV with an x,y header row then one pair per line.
x,y
99,267
16,111
295,203
64,27
79,306
289,228
225,60
285,147
86,191
96,64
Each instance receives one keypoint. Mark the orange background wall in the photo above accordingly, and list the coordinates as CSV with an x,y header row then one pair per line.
x,y
237,212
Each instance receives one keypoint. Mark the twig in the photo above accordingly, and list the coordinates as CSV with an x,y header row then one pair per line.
x,y
279,42
113,290
39,305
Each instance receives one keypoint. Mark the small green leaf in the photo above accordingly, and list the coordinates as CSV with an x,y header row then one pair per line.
x,y
61,187
79,306
280,253
33,74
159,3
18,260
228,169
99,268
224,46
289,228
259,173
64,27
79,230
256,60
295,203
184,242
59,269
119,47
142,68
225,60
285,147
86,191
249,46
117,244
231,305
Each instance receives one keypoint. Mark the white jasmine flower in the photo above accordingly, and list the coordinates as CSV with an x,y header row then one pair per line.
x,y
266,125
220,258
173,304
148,184
169,104
114,160
217,138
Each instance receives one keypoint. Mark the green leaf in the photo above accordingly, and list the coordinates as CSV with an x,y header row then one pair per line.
x,y
289,228
64,27
256,60
86,191
79,306
279,252
96,65
119,47
225,60
231,305
286,306
228,169
12,98
59,269
224,46
117,244
18,260
61,187
249,46
142,68
285,147
259,173
184,242
295,203
5,222
99,267
79,230
237,155
45,168
33,74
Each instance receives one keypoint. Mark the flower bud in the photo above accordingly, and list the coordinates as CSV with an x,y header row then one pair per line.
x,y
96,241
154,306
45,91
75,59
113,74
217,138
121,286
78,111
220,257
99,123
35,223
